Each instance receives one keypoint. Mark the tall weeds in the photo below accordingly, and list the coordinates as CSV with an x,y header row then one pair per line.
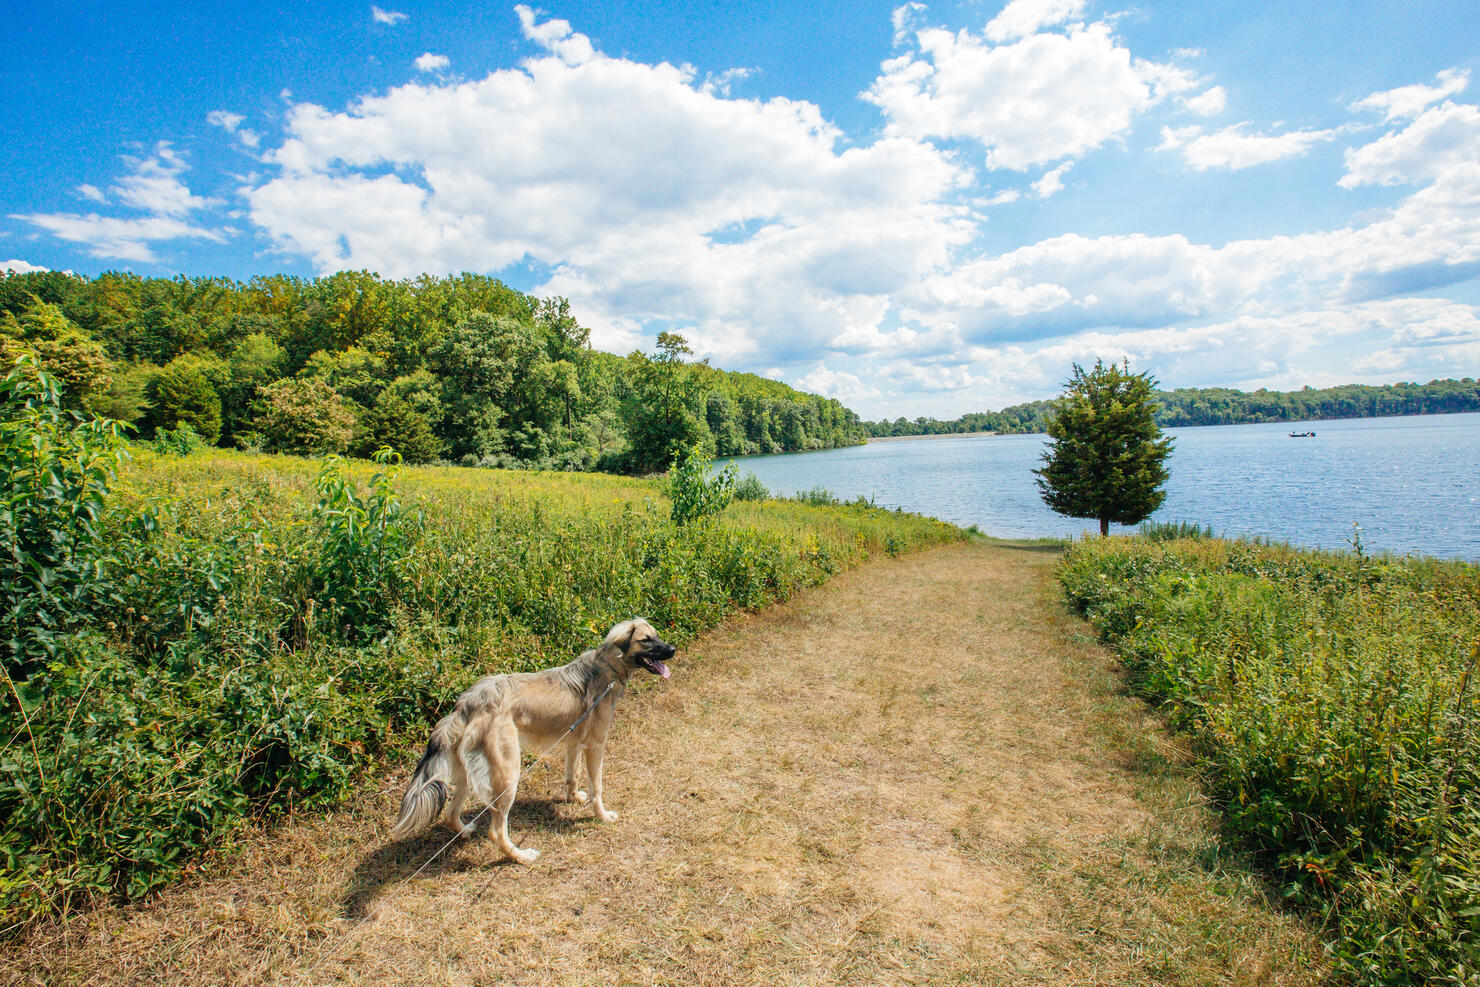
x,y
1333,701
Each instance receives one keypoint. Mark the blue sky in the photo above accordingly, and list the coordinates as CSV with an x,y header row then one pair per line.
x,y
918,208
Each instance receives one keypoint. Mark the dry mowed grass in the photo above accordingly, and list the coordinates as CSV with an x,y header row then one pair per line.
x,y
923,772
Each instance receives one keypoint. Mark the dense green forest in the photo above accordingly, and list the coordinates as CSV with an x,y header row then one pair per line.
x,y
1225,406
461,369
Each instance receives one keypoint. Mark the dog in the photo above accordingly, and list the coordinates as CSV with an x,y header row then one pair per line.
x,y
478,744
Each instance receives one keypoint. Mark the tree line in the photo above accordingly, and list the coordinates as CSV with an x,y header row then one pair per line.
x,y
462,369
1226,406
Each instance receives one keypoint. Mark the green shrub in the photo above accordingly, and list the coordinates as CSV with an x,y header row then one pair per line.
x,y
1172,530
182,440
303,416
694,492
363,545
183,391
1332,701
750,488
818,496
55,561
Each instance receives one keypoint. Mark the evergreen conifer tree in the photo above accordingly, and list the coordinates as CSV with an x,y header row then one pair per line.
x,y
1108,457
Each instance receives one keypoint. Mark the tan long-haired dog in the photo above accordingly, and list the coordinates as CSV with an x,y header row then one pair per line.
x,y
479,741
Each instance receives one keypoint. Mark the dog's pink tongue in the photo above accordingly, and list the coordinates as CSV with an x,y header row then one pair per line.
x,y
662,669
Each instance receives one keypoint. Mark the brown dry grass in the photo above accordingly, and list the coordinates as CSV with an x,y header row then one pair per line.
x,y
923,772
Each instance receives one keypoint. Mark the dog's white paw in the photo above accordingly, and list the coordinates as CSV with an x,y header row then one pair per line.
x,y
580,795
525,856
464,831
607,817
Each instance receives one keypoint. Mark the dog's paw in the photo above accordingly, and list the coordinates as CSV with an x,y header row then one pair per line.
x,y
580,795
525,856
607,817
464,831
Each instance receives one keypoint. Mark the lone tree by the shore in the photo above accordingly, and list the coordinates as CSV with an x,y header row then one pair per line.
x,y
1108,457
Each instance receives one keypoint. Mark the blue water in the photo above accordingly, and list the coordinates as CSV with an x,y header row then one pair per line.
x,y
1412,483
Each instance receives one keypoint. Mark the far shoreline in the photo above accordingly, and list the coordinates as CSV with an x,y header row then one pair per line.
x,y
935,435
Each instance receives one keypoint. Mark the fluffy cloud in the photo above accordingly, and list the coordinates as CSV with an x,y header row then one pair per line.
x,y
21,267
429,62
391,17
1208,103
91,192
646,195
1052,181
1409,101
1440,141
1039,98
1021,18
1233,149
232,124
152,187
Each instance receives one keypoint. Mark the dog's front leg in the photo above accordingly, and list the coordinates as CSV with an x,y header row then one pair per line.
x,y
594,755
573,751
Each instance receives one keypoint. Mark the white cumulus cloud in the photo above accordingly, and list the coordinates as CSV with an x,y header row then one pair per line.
x,y
1043,97
153,187
1052,181
1409,101
391,17
429,62
644,194
1234,149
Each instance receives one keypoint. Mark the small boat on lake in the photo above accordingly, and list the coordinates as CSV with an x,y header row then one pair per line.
x,y
1302,435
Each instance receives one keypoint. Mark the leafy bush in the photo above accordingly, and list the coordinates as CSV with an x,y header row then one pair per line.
x,y
694,492
818,496
303,416
182,391
750,488
363,545
1172,530
181,440
1332,701
55,560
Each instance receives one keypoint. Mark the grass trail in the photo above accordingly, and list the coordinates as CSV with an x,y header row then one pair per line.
x,y
922,772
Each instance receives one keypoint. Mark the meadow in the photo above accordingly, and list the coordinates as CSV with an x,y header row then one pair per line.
x,y
198,643
1333,707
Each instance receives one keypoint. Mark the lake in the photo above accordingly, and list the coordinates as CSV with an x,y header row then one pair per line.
x,y
1412,483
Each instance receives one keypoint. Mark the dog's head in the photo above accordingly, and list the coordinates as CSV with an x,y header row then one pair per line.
x,y
640,646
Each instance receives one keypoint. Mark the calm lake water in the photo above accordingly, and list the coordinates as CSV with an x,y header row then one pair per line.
x,y
1412,483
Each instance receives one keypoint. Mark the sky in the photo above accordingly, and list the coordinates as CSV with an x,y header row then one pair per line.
x,y
919,209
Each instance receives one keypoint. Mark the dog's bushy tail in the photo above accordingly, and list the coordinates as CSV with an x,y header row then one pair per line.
x,y
428,791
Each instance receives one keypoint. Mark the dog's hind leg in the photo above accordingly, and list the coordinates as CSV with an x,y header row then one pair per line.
x,y
595,752
452,815
502,750
573,750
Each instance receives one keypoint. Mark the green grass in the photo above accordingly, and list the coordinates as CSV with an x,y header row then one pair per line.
x,y
1332,701
267,628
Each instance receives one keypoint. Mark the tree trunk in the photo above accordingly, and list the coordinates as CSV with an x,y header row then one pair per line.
x,y
1104,527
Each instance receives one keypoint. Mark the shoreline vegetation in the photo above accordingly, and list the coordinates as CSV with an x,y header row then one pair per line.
x,y
1188,406
1333,713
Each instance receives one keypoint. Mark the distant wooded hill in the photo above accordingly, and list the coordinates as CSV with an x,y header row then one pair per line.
x,y
463,369
1225,406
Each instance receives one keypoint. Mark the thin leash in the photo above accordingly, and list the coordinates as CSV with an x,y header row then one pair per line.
x,y
474,821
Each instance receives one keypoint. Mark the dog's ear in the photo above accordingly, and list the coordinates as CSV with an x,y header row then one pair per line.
x,y
621,634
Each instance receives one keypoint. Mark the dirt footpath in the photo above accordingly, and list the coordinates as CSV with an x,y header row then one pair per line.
x,y
923,772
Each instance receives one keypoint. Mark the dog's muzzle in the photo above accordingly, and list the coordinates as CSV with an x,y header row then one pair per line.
x,y
653,658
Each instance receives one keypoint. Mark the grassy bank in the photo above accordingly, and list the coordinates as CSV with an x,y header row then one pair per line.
x,y
215,638
1333,707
